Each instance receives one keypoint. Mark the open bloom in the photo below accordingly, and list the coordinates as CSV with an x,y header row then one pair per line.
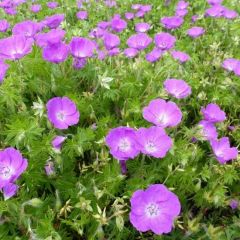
x,y
154,209
9,190
82,47
215,11
154,55
223,151
164,41
162,113
36,8
15,47
172,22
230,64
12,165
153,141
177,88
54,21
118,24
208,130
122,143
213,113
52,5
182,57
111,40
195,32
139,41
82,15
57,142
130,52
142,27
3,69
62,112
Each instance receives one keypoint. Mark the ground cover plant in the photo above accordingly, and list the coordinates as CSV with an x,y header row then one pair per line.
x,y
119,119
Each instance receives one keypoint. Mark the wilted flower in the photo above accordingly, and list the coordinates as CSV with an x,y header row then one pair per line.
x,y
122,143
79,63
82,47
111,41
142,27
164,41
154,55
213,113
118,24
4,25
82,15
223,151
162,113
3,69
10,190
62,112
49,168
182,57
195,32
52,5
153,141
54,21
131,52
172,22
208,130
15,47
154,209
12,165
139,41
36,8
177,88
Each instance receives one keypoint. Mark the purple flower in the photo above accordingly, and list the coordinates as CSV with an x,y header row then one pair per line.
x,y
62,112
10,190
54,36
79,63
208,130
229,14
195,32
181,12
139,41
182,57
164,41
146,8
49,168
82,47
213,113
54,21
230,64
233,204
136,6
3,69
10,11
140,14
97,33
118,24
182,5
52,5
110,3
162,113
142,27
12,165
4,25
104,25
111,41
172,22
236,70
27,28
15,47
122,143
214,2
177,88
57,142
194,18
130,52
154,55
154,209
82,15
215,11
113,52
36,8
56,53
129,15
153,141
223,151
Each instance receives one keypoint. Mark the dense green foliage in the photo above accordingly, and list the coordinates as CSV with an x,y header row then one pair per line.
x,y
88,197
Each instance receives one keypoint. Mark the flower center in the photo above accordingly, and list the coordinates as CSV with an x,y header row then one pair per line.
x,y
152,210
124,145
162,119
5,172
150,147
61,116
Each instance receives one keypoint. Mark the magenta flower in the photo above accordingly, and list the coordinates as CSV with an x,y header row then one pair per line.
x,y
162,113
12,165
182,5
233,204
182,57
10,11
164,41
111,41
118,24
153,141
113,52
215,11
79,63
52,5
15,47
213,113
181,12
140,14
142,27
208,130
230,64
154,209
36,8
4,25
104,25
229,14
62,112
82,15
172,22
82,47
49,168
195,32
57,142
3,70
177,88
9,191
154,55
27,28
122,143
139,41
136,6
223,151
214,2
130,52
194,18
146,8
54,21
56,53
52,37
129,15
